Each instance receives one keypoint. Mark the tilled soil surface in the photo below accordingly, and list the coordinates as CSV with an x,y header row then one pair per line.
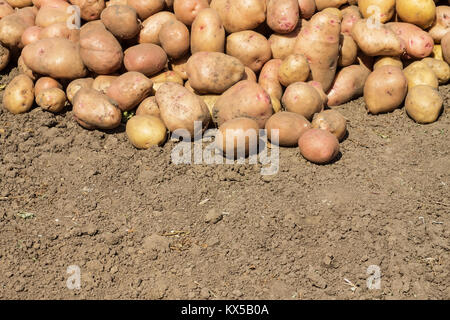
x,y
138,226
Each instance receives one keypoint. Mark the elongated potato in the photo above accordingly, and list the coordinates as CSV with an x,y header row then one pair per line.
x,y
213,72
419,73
282,15
152,26
294,68
238,15
174,38
303,99
418,43
207,32
349,84
423,104
19,94
129,89
146,8
76,85
290,127
268,78
146,58
187,10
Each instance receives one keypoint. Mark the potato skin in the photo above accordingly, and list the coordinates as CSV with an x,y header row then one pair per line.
x,y
290,127
442,23
282,15
129,89
146,58
283,45
233,132
445,44
179,66
76,85
269,80
385,89
19,95
307,8
418,43
50,14
95,110
386,9
332,121
440,68
149,107
419,12
30,35
44,83
303,99
240,15
207,32
245,99
5,9
89,9
121,21
11,29
423,104
318,146
350,16
60,30
146,8
349,84
250,47
180,108
323,4
152,26
55,57
419,73
166,76
52,99
187,10
348,51
145,131
389,61
213,72
174,38
294,68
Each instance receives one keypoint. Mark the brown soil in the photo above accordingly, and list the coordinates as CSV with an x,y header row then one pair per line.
x,y
136,225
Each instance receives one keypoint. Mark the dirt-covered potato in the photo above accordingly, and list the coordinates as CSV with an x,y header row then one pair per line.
x,y
385,89
13,26
423,104
441,24
89,9
418,43
121,21
52,99
283,15
290,127
283,45
382,9
268,78
149,107
213,72
76,85
4,57
19,94
238,15
166,76
303,99
244,99
44,83
348,51
207,32
332,121
187,10
146,8
30,35
174,38
55,57
419,73
145,131
95,110
180,109
388,61
179,66
146,58
102,83
294,68
250,47
440,68
318,146
238,138
152,26
349,84
129,89
100,50
419,12
445,46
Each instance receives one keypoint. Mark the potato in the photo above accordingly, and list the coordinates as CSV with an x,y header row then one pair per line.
x,y
238,15
152,26
307,8
348,51
318,146
388,61
419,12
4,57
149,107
187,10
423,104
166,76
283,45
332,121
146,58
276,104
441,24
249,74
146,8
89,9
207,32
437,52
440,68
44,83
52,99
250,47
60,30
382,9
24,69
180,109
318,86
418,43
445,45
129,89
5,9
100,50
244,99
269,80
419,73
179,66
323,4
30,35
294,68
55,57
145,131
76,85
95,110
11,29
282,15
174,38
349,84
213,72
102,83
350,16
19,94
238,138
50,14
385,89
303,99
380,41
121,21
318,41
290,127
20,3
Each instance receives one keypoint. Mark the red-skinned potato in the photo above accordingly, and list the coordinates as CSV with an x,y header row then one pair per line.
x,y
350,16
238,15
307,8
56,57
44,83
442,23
76,85
89,9
385,89
152,26
187,10
30,35
149,107
423,104
207,32
213,72
282,15
418,43
129,89
4,57
146,58
180,108
332,121
238,138
318,41
445,45
290,127
19,94
95,110
146,8
303,99
174,39
250,47
121,21
102,83
52,99
348,84
294,68
5,9
318,146
268,78
145,131
244,99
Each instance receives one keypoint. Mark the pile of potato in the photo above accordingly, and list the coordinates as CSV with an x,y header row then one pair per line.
x,y
235,64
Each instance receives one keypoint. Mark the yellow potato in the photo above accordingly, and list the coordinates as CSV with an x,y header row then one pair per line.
x,y
388,61
145,131
419,12
423,104
440,68
19,94
419,73
382,9
294,68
